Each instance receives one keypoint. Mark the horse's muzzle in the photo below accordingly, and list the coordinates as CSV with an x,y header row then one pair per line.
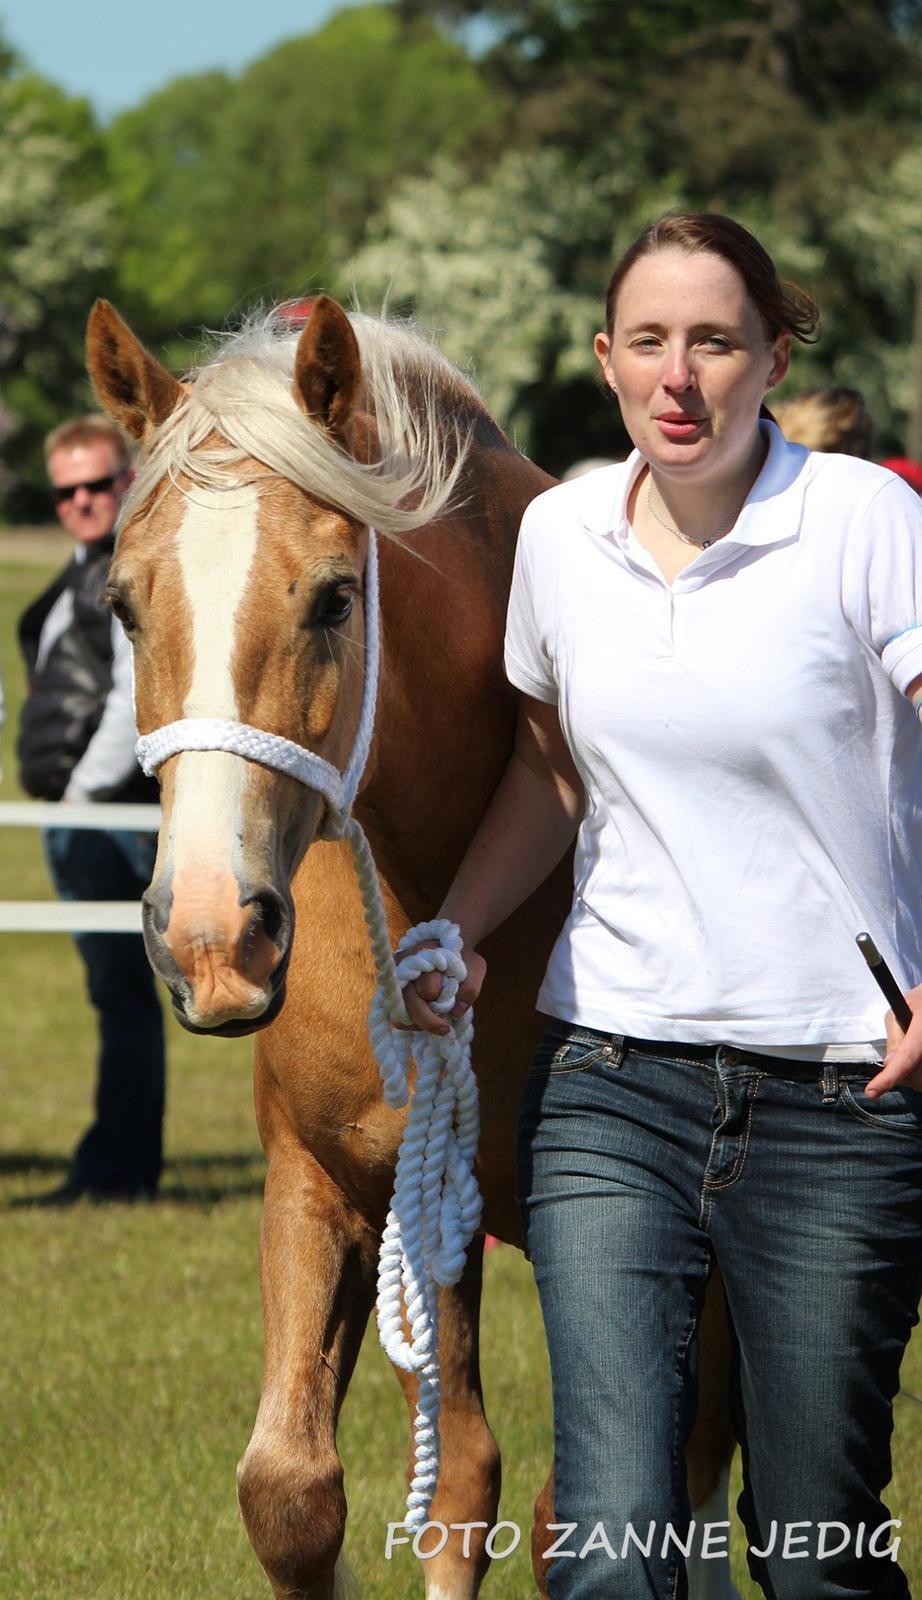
x,y
221,982
240,1028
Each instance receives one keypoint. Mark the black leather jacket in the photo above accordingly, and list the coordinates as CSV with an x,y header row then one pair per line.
x,y
67,692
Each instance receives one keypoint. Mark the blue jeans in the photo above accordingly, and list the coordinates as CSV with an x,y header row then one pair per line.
x,y
641,1168
122,1152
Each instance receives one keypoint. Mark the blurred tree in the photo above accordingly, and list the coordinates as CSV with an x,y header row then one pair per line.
x,y
508,272
828,52
799,116
913,443
172,195
54,253
231,190
511,271
495,270
577,121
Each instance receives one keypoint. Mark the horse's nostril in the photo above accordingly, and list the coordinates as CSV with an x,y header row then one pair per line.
x,y
156,905
269,909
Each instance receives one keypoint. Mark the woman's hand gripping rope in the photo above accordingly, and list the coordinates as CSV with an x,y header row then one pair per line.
x,y
436,1203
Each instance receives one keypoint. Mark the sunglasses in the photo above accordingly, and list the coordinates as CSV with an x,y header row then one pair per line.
x,y
95,486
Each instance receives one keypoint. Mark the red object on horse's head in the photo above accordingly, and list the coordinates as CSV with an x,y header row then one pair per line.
x,y
295,312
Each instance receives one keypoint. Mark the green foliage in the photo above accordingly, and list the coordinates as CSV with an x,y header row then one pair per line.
x,y
510,271
172,199
800,119
335,118
829,53
496,269
487,188
54,250
259,187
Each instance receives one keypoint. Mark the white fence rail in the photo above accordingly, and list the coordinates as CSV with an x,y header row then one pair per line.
x,y
74,916
79,814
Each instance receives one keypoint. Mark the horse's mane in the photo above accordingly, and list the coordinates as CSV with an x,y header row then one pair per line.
x,y
424,410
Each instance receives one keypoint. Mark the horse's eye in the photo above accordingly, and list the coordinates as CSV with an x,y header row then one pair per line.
x,y
120,608
334,607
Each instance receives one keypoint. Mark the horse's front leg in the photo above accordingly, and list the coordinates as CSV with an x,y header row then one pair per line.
x,y
469,1464
317,1269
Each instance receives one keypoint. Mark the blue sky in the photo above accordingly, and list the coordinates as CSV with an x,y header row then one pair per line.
x,y
118,54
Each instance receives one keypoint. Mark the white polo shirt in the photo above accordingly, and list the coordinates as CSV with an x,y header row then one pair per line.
x,y
753,771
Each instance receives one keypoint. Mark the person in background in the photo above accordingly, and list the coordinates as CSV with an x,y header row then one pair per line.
x,y
76,742
831,420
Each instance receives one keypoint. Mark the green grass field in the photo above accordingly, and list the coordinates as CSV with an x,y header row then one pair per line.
x,y
131,1337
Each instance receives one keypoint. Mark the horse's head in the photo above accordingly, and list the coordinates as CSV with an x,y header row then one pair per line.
x,y
239,577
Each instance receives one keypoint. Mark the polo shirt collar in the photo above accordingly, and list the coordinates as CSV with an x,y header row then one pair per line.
x,y
772,513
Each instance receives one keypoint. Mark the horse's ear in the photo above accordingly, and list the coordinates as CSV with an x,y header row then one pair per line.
x,y
328,369
133,388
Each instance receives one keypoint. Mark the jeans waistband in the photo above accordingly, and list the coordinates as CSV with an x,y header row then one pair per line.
x,y
737,1055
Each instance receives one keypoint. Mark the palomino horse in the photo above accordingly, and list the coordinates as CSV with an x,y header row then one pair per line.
x,y
239,578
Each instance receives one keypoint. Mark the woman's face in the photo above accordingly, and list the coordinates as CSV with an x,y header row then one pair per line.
x,y
691,362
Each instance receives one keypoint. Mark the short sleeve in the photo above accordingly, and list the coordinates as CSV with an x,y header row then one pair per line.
x,y
885,585
529,620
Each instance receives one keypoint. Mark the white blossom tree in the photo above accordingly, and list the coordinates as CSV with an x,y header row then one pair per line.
x,y
493,269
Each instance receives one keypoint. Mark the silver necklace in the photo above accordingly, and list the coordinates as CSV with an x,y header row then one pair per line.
x,y
699,544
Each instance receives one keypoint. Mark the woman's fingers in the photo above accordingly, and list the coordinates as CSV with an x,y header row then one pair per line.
x,y
469,990
421,990
428,986
421,1015
903,1060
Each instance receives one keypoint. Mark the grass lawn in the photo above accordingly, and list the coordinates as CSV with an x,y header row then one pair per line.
x,y
131,1335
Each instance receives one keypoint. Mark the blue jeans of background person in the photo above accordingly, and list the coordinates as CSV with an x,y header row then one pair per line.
x,y
122,1152
639,1171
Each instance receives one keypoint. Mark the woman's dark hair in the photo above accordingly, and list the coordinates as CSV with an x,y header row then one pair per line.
x,y
783,307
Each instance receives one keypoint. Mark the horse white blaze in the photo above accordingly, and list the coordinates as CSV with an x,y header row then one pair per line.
x,y
209,933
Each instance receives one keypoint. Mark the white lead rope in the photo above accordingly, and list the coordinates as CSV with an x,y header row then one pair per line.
x,y
435,1208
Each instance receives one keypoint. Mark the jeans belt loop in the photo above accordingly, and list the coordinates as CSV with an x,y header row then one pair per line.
x,y
830,1081
615,1050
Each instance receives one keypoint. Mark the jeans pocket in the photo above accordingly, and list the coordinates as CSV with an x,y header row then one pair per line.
x,y
896,1111
565,1049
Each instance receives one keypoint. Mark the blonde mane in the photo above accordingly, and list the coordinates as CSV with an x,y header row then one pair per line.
x,y
424,411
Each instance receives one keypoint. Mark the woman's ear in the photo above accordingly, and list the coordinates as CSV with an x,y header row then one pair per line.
x,y
601,344
781,360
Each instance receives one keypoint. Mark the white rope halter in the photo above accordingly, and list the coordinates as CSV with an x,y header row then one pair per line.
x,y
435,1207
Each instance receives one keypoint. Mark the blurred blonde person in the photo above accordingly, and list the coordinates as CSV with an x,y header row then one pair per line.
x,y
831,420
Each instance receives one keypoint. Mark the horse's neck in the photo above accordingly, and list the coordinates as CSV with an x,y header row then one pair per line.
x,y
446,714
